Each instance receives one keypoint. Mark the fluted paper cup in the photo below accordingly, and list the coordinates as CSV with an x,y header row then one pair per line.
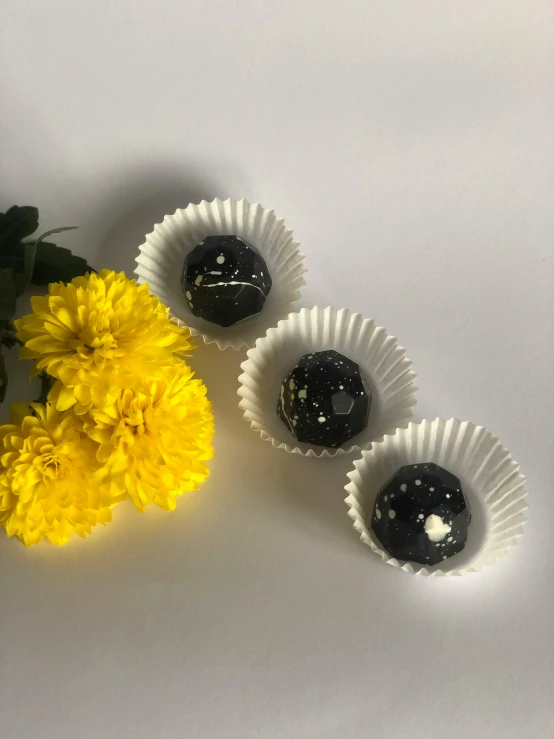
x,y
382,361
491,480
161,259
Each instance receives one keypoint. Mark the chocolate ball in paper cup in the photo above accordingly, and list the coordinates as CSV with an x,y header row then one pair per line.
x,y
250,283
392,498
282,394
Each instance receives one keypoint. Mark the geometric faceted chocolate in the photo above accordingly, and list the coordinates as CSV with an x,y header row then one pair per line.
x,y
225,280
421,514
324,400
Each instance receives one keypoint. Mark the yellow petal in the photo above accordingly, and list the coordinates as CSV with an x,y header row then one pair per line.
x,y
43,344
65,398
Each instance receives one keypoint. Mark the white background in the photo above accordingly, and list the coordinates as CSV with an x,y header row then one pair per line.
x,y
410,147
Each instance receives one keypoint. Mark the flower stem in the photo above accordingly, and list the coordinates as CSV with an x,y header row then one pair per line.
x,y
46,385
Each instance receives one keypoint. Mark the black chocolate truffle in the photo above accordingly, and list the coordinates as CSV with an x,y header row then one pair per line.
x,y
324,400
225,280
421,514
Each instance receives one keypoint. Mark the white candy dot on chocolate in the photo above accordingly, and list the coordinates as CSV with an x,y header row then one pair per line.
x,y
322,419
435,528
220,259
403,488
418,482
392,513
302,394
378,513
188,296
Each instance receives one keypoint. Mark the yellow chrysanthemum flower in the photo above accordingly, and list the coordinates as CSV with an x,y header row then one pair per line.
x,y
154,445
47,484
98,334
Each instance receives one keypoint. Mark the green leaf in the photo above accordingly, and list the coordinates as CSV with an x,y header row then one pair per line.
x,y
16,224
3,377
25,259
54,231
7,334
56,264
7,295
25,264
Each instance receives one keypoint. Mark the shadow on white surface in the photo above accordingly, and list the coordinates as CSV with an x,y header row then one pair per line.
x,y
144,196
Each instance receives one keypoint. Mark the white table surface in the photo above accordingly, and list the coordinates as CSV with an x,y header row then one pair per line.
x,y
410,147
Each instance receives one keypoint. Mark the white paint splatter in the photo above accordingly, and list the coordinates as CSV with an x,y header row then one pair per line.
x,y
235,282
282,399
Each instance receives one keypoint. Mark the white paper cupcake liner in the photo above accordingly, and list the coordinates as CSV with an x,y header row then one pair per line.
x,y
490,478
161,259
382,361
